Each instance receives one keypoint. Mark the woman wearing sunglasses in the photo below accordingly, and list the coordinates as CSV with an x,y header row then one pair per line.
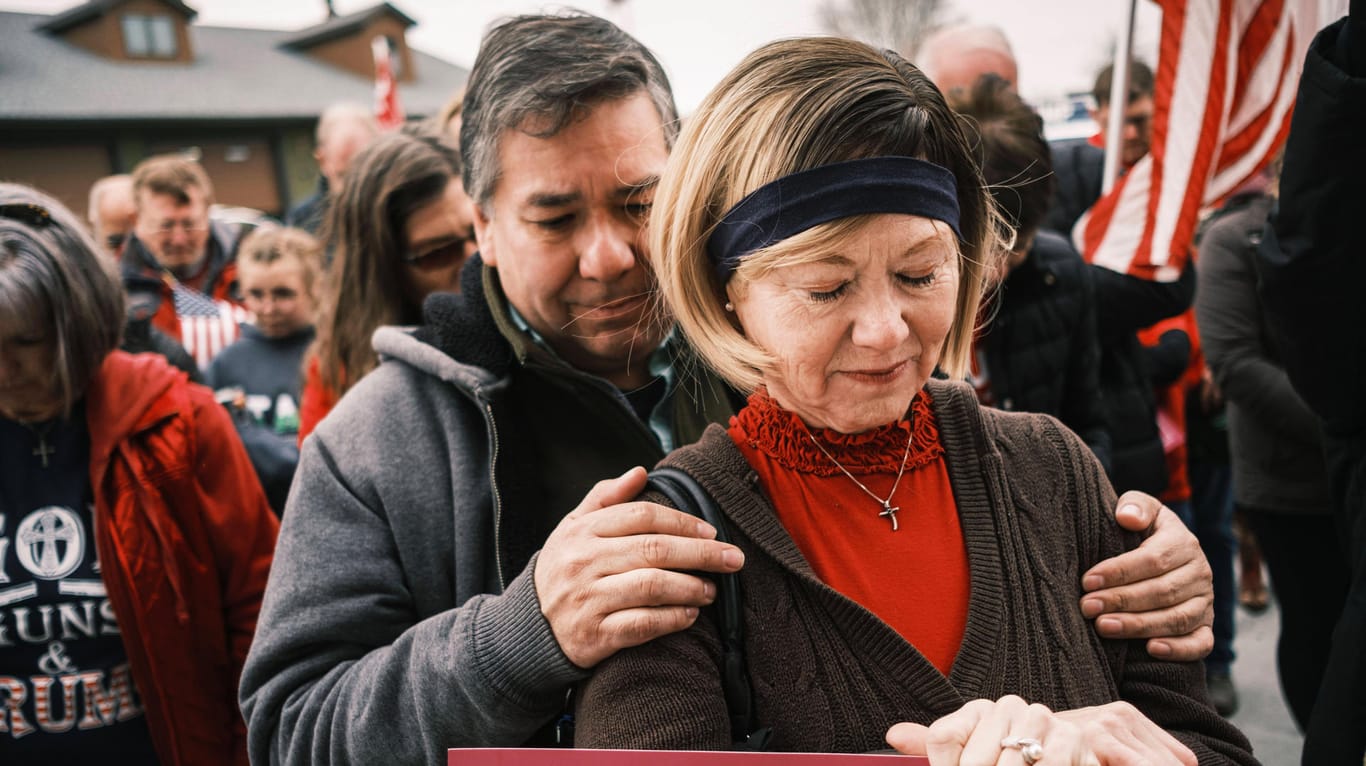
x,y
400,229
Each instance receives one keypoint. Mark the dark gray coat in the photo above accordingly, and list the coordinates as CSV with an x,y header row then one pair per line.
x,y
1274,439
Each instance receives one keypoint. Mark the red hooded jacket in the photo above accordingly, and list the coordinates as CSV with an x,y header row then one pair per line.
x,y
185,537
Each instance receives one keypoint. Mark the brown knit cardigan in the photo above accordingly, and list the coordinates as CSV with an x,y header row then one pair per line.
x,y
829,676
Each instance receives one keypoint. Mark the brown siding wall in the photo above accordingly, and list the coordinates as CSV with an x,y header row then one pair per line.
x,y
100,36
242,170
65,172
352,53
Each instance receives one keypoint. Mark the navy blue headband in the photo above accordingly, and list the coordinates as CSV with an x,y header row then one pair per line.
x,y
792,204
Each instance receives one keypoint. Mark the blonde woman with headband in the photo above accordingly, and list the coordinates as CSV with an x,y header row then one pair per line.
x,y
912,561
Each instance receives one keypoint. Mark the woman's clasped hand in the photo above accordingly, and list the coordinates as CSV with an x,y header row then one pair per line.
x,y
1011,731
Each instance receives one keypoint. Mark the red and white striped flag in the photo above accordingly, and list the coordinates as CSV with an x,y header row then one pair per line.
x,y
1227,71
388,110
207,326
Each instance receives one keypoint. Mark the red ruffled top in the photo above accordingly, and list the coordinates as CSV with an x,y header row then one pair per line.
x,y
916,578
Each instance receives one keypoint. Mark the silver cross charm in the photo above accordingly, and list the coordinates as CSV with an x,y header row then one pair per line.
x,y
889,511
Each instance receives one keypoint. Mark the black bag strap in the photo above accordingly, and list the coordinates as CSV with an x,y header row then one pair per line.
x,y
685,494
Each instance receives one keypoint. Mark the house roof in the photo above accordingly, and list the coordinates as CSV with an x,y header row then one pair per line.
x,y
237,75
95,8
342,26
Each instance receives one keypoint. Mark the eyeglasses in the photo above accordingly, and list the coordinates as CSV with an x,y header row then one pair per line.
x,y
27,212
441,254
187,225
115,241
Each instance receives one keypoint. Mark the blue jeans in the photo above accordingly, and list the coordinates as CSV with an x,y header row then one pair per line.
x,y
1209,514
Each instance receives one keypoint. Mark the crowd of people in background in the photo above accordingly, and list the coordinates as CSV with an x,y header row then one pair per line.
x,y
367,484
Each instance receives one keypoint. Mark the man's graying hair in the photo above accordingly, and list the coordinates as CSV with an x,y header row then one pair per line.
x,y
548,69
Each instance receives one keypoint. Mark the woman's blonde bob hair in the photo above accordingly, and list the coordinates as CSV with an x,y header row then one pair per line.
x,y
790,106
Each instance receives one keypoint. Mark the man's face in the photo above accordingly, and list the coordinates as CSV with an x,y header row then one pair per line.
x,y
960,71
113,220
174,233
565,230
1137,132
343,143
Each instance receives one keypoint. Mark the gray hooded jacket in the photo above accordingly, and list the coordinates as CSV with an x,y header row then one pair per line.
x,y
401,615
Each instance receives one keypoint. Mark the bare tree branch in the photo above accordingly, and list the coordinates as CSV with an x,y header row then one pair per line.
x,y
901,25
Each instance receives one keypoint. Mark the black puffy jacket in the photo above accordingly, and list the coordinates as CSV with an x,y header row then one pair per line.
x,y
1124,305
1041,346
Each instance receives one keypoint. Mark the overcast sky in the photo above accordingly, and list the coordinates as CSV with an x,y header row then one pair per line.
x,y
1060,44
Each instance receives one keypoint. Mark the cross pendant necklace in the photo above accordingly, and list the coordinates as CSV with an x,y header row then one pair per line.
x,y
889,511
43,450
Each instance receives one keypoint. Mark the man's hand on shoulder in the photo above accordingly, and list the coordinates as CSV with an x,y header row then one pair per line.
x,y
1162,591
613,573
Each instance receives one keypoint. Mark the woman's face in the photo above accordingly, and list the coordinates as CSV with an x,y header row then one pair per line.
x,y
856,333
28,389
439,238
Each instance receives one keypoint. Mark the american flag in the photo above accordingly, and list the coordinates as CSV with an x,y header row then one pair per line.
x,y
388,111
1227,71
207,326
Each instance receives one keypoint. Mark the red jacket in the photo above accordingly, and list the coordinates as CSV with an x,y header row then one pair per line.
x,y
185,538
316,400
1171,401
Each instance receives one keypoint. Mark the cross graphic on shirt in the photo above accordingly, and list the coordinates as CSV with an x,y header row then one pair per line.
x,y
42,538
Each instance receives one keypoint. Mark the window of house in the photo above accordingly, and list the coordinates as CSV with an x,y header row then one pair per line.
x,y
149,36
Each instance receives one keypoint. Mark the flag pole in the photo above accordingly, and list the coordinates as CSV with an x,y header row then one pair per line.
x,y
1119,101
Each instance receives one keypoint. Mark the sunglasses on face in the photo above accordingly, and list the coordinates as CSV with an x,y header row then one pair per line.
x,y
115,241
440,254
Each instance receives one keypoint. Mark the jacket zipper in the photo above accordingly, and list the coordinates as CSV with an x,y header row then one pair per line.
x,y
497,500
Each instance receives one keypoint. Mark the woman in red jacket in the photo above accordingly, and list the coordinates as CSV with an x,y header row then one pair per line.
x,y
134,538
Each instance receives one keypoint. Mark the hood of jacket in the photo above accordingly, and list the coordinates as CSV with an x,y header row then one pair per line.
x,y
127,396
466,338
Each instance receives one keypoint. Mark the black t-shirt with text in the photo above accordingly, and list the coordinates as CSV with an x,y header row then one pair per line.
x,y
66,693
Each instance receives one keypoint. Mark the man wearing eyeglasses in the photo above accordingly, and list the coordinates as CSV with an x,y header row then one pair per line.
x,y
177,264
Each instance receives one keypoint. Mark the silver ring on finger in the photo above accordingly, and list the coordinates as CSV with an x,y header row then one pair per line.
x,y
1031,750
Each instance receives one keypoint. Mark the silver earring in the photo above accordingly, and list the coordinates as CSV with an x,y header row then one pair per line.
x,y
730,307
